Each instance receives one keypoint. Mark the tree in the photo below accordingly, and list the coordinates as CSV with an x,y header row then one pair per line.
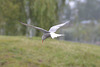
x,y
10,12
42,13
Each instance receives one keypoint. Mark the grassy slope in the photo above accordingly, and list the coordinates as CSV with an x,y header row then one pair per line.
x,y
25,52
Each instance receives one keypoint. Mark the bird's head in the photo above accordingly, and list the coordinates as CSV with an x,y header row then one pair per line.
x,y
43,38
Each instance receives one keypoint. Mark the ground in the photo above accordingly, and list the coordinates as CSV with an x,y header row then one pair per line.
x,y
20,51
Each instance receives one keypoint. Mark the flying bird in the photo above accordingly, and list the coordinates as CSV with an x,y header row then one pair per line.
x,y
51,33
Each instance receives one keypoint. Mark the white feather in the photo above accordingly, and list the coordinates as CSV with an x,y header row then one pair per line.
x,y
54,28
54,35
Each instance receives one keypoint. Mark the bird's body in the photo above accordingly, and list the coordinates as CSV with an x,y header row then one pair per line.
x,y
45,35
51,33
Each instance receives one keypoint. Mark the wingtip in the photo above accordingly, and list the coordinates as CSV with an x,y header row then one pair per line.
x,y
20,22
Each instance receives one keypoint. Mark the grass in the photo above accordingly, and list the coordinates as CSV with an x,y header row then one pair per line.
x,y
20,51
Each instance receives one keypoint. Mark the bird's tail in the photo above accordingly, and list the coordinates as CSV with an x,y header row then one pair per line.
x,y
60,35
54,35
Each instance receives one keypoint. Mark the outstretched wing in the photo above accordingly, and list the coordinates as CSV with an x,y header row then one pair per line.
x,y
42,30
54,28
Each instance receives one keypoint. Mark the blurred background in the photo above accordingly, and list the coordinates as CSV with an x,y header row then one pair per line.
x,y
84,16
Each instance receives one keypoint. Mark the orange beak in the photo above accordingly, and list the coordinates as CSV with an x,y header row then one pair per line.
x,y
42,41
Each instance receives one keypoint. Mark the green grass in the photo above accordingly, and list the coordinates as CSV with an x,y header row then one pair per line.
x,y
24,52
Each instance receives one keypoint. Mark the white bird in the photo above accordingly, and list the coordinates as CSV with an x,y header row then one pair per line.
x,y
51,33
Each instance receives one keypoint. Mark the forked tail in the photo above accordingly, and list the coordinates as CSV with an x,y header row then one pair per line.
x,y
54,35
